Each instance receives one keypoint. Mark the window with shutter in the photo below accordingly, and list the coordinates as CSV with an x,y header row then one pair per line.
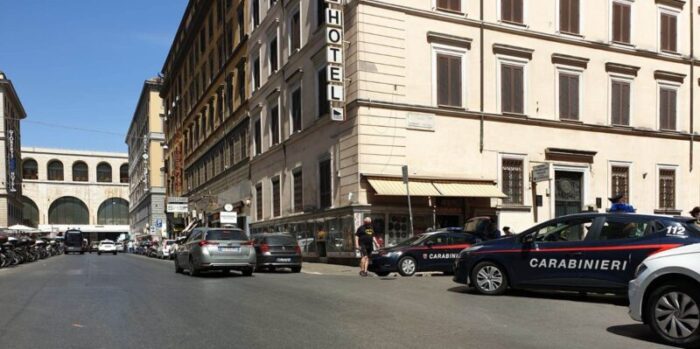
x,y
512,92
274,59
259,202
276,198
449,80
621,22
258,137
569,16
295,33
512,11
449,5
324,106
324,171
568,96
275,125
512,177
620,181
620,103
298,191
256,73
296,110
667,109
668,33
667,189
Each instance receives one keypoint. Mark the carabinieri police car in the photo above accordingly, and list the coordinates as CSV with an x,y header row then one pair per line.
x,y
434,251
587,252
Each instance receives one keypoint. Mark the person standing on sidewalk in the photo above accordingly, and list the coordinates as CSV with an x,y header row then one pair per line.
x,y
365,241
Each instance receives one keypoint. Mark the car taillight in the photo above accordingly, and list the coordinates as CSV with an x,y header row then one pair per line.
x,y
297,249
247,243
264,248
207,242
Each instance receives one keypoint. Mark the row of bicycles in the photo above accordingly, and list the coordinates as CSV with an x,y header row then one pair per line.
x,y
16,250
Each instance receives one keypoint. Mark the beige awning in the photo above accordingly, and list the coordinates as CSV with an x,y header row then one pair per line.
x,y
473,190
395,187
426,187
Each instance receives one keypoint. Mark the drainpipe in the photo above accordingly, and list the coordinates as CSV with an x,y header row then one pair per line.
x,y
481,76
692,82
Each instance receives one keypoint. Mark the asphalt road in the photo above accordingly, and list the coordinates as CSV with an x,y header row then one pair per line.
x,y
128,301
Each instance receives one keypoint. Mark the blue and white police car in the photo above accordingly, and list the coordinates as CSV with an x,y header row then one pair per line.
x,y
434,251
586,252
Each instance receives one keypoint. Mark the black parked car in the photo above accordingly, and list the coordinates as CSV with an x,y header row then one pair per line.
x,y
277,250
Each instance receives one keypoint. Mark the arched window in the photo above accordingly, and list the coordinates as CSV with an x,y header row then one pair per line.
x,y
30,212
68,210
80,172
55,170
124,173
30,170
104,172
114,211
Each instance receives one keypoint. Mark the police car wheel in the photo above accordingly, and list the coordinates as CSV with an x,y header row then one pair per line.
x,y
407,266
489,278
382,273
673,313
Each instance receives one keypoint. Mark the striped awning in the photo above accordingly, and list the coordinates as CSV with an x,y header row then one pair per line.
x,y
426,187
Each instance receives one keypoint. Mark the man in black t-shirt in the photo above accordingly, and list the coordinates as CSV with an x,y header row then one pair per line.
x,y
365,241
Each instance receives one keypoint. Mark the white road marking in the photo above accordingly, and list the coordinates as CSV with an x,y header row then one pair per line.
x,y
311,272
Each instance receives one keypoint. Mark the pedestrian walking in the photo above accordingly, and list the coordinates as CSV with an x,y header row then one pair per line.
x,y
365,242
130,246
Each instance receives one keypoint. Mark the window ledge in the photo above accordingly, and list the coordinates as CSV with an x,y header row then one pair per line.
x,y
450,12
513,24
452,107
571,121
515,115
625,45
514,208
571,35
670,53
669,211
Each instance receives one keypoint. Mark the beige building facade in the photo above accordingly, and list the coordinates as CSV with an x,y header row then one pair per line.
x,y
11,112
472,100
521,110
65,189
145,140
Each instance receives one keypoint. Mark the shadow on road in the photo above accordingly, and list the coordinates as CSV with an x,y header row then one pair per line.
x,y
556,295
220,275
637,331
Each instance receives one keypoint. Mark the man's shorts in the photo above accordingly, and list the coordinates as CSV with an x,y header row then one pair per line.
x,y
365,251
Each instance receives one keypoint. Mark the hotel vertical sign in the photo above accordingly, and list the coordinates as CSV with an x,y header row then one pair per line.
x,y
334,52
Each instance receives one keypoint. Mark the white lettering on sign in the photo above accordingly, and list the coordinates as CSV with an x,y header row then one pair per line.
x,y
579,264
676,231
335,93
334,55
335,73
334,36
334,17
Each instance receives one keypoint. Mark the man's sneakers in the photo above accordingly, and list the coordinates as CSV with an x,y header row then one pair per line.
x,y
363,273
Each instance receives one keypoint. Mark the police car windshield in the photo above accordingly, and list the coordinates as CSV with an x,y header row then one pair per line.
x,y
412,241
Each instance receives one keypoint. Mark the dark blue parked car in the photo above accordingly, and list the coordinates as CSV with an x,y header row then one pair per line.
x,y
588,252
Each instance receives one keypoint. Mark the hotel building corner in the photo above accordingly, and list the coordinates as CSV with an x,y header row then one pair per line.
x,y
472,100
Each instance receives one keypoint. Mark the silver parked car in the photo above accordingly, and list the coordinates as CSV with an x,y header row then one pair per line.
x,y
216,249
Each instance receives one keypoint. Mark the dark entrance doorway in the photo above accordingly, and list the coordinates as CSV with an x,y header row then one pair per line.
x,y
444,221
568,192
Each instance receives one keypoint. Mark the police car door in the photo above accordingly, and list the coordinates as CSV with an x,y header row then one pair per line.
x,y
435,253
551,254
624,241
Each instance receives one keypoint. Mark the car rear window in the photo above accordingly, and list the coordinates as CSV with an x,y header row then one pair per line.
x,y
281,240
226,235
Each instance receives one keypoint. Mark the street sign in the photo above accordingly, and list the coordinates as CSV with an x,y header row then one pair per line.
x,y
228,217
540,173
404,173
176,208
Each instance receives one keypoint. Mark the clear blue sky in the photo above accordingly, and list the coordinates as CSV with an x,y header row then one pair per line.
x,y
80,64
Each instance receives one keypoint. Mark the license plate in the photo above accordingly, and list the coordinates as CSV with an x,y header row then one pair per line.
x,y
229,249
284,260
